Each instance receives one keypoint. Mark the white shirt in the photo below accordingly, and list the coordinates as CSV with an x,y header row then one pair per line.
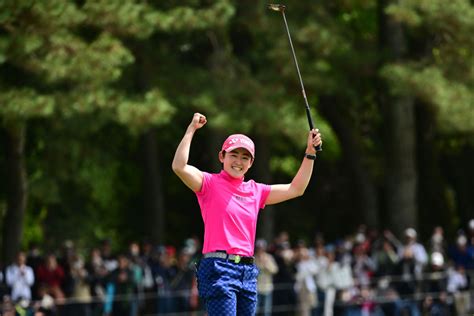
x,y
306,270
456,281
335,275
20,279
419,254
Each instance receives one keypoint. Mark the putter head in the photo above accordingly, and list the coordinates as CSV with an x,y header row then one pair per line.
x,y
277,7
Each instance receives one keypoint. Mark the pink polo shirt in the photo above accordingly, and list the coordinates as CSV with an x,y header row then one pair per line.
x,y
229,209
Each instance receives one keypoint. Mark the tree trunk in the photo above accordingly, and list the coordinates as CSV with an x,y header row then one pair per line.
x,y
464,182
17,191
153,183
400,174
434,208
153,189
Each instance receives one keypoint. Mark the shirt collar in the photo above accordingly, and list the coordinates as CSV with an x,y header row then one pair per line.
x,y
229,178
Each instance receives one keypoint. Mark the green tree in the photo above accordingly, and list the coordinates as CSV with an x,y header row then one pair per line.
x,y
58,64
88,90
439,74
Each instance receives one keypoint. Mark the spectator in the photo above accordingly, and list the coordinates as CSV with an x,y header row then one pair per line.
x,y
385,259
68,252
7,307
322,262
146,250
34,259
462,253
51,275
334,278
414,250
268,267
282,238
146,254
364,304
437,241
406,284
138,268
97,273
361,237
109,260
20,278
470,232
45,303
4,290
181,282
305,285
284,298
344,250
458,286
144,261
161,269
120,289
435,285
363,267
81,291
22,307
318,243
387,296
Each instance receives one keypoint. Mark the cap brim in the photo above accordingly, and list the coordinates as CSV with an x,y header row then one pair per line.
x,y
239,146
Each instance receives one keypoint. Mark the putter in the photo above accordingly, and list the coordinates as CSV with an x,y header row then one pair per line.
x,y
281,8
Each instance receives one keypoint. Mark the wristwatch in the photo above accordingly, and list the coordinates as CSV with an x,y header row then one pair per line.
x,y
310,157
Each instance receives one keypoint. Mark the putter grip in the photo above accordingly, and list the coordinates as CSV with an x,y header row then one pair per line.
x,y
311,126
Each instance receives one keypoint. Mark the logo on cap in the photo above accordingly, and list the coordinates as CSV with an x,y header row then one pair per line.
x,y
239,141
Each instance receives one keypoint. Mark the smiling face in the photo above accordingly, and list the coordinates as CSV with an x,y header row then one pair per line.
x,y
236,162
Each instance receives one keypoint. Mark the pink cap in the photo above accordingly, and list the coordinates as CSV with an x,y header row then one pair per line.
x,y
239,141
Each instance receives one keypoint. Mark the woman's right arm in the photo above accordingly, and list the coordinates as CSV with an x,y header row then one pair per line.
x,y
191,176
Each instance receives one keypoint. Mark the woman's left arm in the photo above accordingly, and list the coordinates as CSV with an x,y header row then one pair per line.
x,y
283,192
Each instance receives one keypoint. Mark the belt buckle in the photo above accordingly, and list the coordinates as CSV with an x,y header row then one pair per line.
x,y
237,259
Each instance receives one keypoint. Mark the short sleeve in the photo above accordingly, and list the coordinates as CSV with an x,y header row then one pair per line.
x,y
205,184
264,192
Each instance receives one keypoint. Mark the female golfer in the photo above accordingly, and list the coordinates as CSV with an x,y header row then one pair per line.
x,y
227,275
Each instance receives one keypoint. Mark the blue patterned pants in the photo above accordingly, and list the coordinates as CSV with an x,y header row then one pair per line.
x,y
227,288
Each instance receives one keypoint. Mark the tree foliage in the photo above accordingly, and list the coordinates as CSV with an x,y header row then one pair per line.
x,y
443,75
88,78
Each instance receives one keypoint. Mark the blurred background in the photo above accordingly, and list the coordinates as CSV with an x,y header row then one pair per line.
x,y
96,95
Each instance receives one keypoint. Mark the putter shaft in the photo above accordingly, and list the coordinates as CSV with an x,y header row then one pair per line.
x,y
281,8
310,120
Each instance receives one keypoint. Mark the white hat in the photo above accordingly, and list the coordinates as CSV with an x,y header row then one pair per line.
x,y
461,240
471,224
437,259
410,232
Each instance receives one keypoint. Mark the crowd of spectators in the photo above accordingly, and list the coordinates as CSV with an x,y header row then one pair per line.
x,y
366,273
